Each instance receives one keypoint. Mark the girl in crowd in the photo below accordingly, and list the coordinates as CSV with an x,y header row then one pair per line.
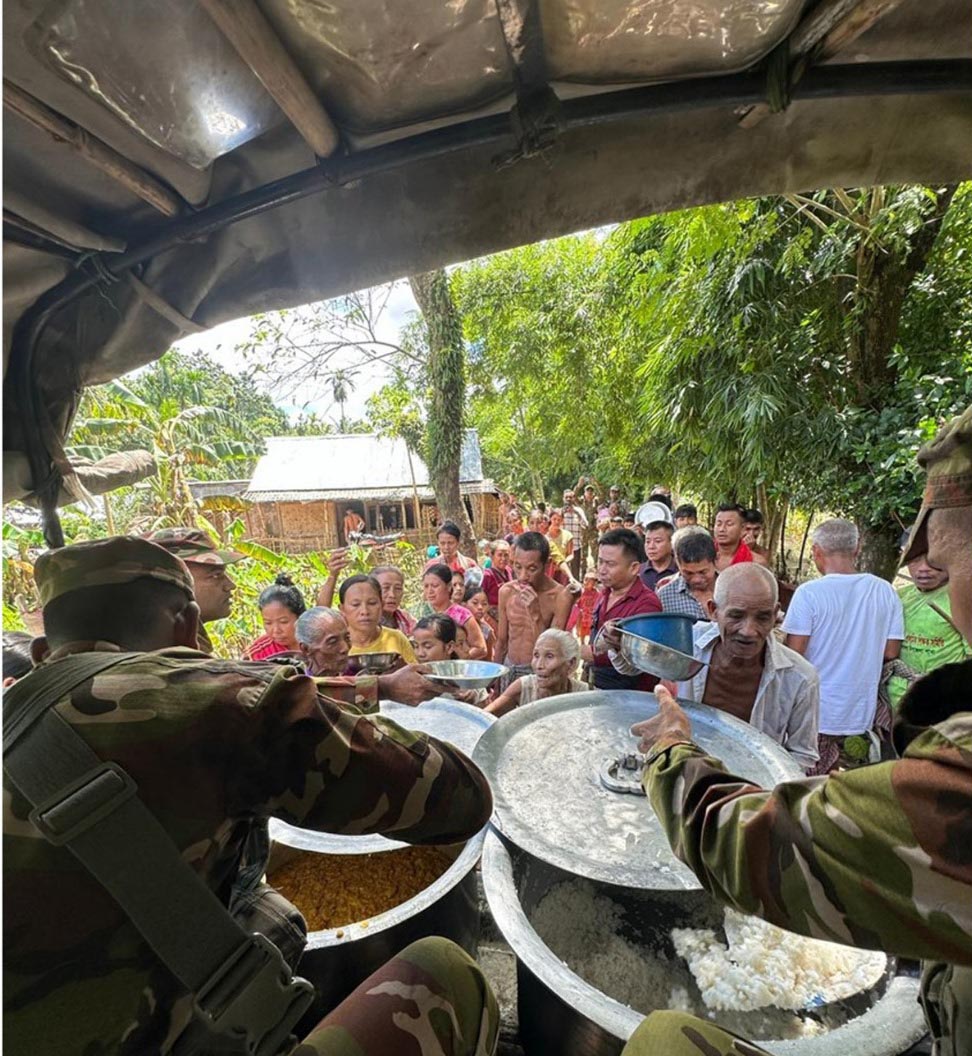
x,y
554,659
280,605
477,603
392,582
361,606
458,587
439,637
437,592
435,638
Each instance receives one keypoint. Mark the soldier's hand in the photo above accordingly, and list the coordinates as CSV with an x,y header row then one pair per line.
x,y
671,724
408,685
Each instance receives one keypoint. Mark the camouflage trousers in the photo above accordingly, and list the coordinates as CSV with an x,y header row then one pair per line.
x,y
670,1033
430,1000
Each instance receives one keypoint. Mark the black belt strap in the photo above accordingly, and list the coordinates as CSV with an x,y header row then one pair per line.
x,y
243,991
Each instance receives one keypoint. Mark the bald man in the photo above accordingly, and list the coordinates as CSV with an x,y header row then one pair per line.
x,y
749,674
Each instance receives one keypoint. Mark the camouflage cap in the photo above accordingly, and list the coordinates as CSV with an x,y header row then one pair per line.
x,y
193,545
948,462
104,563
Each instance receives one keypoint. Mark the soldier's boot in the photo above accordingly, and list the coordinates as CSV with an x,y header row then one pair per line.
x,y
669,1033
430,1000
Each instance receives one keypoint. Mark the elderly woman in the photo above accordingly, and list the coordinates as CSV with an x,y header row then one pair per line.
x,y
392,581
555,658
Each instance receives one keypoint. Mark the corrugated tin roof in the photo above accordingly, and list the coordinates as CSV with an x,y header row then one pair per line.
x,y
217,489
425,494
348,465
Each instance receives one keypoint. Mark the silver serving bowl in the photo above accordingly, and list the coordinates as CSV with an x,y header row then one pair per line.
x,y
466,674
373,663
656,659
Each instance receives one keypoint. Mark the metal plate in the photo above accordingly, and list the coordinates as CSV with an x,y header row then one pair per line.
x,y
543,764
447,720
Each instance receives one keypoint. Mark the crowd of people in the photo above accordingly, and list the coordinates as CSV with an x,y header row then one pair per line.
x,y
820,678
139,771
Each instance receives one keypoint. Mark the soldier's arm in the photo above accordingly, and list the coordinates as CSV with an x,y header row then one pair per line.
x,y
875,857
314,763
359,693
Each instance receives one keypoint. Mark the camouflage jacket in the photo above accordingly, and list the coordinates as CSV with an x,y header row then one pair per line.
x,y
213,746
876,857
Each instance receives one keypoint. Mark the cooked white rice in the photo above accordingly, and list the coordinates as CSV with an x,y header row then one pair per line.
x,y
764,965
753,987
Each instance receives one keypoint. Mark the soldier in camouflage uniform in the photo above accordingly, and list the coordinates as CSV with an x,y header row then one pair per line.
x,y
212,745
876,857
212,585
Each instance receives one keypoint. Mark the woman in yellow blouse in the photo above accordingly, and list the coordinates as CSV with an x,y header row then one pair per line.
x,y
361,606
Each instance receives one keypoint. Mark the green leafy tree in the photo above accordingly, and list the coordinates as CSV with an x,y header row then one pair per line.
x,y
446,376
185,442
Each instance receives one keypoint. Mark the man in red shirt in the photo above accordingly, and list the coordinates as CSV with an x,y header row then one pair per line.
x,y
619,556
728,535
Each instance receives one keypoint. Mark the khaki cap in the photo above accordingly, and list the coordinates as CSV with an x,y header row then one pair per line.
x,y
948,462
104,563
193,545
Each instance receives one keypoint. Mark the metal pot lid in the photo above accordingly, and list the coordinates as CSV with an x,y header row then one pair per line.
x,y
447,720
545,761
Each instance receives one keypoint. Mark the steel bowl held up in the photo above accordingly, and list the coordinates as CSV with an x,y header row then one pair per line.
x,y
466,674
660,644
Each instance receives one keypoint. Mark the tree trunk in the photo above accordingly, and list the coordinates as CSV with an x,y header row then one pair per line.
x,y
879,550
447,382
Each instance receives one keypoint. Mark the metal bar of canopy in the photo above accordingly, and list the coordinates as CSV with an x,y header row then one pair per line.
x,y
246,28
92,149
826,82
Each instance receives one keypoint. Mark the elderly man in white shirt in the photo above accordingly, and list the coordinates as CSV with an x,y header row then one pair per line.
x,y
749,674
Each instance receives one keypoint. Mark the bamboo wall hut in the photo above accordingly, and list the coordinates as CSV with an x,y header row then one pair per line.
x,y
304,486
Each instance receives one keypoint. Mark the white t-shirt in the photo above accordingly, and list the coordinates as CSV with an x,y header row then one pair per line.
x,y
849,619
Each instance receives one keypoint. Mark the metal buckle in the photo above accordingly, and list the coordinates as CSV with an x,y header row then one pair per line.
x,y
83,803
253,999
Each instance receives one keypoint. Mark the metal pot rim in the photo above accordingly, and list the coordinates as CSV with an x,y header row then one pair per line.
x,y
896,1014
428,896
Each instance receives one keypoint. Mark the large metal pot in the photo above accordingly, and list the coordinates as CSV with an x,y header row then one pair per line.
x,y
336,960
561,1013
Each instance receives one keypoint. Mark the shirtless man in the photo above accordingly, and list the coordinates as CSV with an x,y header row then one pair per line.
x,y
530,603
752,529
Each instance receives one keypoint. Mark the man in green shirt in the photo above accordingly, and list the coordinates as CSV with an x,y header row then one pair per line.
x,y
931,638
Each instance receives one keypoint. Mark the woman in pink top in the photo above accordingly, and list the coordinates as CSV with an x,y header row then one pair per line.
x,y
437,592
280,605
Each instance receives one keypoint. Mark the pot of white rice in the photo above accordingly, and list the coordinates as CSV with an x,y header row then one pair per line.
x,y
594,959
